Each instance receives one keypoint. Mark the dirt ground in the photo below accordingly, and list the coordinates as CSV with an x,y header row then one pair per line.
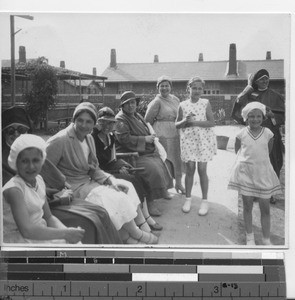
x,y
223,226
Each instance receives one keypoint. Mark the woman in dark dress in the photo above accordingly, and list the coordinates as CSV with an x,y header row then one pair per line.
x,y
133,134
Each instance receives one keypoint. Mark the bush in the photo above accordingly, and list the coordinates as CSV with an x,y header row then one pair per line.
x,y
42,97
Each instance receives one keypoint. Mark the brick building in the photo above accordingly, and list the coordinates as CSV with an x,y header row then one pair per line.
x,y
224,79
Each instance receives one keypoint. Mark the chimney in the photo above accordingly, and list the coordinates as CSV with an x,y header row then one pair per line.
x,y
268,55
62,64
156,59
22,54
232,64
113,63
94,71
201,57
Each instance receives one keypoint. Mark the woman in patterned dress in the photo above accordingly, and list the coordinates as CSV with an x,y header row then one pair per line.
x,y
197,140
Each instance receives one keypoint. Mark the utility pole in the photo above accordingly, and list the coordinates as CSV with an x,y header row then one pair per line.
x,y
12,52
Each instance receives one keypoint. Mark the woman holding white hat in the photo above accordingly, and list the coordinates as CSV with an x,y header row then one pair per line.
x,y
134,134
73,151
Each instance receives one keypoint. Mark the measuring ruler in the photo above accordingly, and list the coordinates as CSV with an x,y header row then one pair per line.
x,y
141,275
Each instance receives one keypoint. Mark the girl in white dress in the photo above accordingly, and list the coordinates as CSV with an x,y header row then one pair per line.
x,y
197,140
26,214
253,175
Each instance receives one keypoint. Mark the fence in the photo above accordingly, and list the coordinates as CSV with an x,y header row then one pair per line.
x,y
66,104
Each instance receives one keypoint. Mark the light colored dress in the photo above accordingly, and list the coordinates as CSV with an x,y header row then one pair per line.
x,y
78,162
252,173
197,143
161,114
35,200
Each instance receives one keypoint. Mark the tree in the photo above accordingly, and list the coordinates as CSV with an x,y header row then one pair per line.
x,y
42,96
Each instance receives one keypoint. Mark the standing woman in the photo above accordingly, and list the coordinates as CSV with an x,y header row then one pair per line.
x,y
133,135
197,140
161,114
72,150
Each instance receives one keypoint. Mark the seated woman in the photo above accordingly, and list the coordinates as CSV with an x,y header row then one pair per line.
x,y
26,214
94,219
104,140
133,135
72,151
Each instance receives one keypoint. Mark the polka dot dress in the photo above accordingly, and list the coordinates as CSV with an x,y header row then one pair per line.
x,y
197,143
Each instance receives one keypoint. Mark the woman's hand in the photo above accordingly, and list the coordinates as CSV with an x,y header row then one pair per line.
x,y
74,235
150,138
189,118
124,170
112,181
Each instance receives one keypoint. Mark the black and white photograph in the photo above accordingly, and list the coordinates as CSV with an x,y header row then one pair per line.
x,y
145,129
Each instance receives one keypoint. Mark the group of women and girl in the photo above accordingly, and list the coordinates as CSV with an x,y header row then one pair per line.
x,y
85,153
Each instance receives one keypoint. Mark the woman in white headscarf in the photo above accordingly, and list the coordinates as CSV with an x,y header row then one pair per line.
x,y
253,175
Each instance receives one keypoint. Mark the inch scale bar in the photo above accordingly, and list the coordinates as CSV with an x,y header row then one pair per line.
x,y
131,290
141,275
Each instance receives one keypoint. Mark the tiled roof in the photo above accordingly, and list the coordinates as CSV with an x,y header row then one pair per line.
x,y
180,71
5,63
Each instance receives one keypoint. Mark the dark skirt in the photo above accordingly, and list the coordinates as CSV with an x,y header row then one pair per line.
x,y
155,175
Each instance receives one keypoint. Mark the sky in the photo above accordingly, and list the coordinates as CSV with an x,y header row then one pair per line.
x,y
85,40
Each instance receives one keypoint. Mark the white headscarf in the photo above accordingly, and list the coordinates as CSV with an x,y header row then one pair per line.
x,y
23,142
250,106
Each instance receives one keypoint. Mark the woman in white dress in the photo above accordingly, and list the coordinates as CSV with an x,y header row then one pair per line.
x,y
197,140
253,175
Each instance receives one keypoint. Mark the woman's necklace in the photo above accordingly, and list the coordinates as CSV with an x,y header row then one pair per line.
x,y
32,186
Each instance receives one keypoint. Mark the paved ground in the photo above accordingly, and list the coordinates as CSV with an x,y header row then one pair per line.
x,y
223,226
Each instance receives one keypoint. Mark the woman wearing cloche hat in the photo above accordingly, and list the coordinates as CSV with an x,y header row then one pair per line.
x,y
72,150
105,144
133,135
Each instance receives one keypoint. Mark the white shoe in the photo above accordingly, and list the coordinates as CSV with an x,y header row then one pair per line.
x,y
187,205
250,241
204,208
